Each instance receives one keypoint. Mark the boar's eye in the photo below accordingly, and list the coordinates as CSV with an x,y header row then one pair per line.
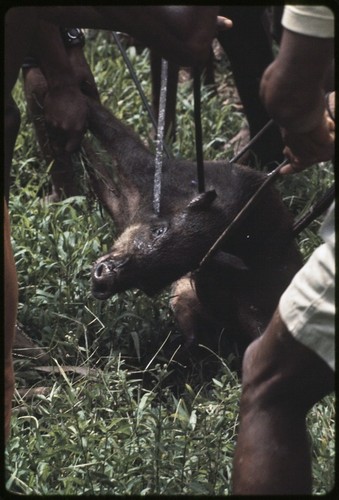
x,y
158,231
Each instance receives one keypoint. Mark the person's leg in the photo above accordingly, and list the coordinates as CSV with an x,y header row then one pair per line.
x,y
282,380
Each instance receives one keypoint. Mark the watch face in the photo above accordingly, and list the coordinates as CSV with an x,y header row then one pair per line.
x,y
73,36
74,33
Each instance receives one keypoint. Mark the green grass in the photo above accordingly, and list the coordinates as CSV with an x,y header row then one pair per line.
x,y
116,427
104,434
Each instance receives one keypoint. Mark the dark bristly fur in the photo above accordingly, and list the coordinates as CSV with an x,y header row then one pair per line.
x,y
239,290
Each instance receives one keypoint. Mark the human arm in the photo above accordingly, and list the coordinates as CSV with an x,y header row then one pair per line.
x,y
292,91
182,34
65,107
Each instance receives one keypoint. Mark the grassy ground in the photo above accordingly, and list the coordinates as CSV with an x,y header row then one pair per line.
x,y
104,420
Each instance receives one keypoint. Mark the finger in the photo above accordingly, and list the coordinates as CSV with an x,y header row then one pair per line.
x,y
223,23
294,166
288,169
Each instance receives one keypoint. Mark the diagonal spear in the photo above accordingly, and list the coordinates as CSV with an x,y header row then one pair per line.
x,y
271,177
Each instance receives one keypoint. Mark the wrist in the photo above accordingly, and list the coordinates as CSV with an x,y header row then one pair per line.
x,y
300,119
294,106
71,37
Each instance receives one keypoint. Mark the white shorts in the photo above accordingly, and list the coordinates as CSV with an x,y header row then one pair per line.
x,y
307,306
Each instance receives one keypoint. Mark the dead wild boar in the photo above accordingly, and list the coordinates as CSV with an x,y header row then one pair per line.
x,y
238,290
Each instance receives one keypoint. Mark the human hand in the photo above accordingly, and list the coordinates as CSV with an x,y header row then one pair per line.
x,y
82,72
65,110
307,148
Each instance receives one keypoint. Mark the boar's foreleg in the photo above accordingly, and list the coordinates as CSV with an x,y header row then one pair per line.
x,y
190,314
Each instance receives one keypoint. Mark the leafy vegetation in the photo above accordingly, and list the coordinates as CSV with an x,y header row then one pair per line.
x,y
104,419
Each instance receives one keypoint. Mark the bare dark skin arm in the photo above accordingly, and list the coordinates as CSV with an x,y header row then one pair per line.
x,y
65,107
183,34
282,378
20,25
292,91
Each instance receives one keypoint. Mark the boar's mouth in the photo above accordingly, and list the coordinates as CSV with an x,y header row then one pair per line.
x,y
111,275
105,277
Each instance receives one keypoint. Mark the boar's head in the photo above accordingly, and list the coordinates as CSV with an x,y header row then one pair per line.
x,y
151,254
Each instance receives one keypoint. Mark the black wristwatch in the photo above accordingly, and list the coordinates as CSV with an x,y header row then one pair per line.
x,y
72,37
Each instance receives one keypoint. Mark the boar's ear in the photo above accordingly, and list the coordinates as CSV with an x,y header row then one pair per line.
x,y
203,200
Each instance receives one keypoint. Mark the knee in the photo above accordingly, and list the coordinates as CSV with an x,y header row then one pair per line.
x,y
253,387
253,365
273,375
265,384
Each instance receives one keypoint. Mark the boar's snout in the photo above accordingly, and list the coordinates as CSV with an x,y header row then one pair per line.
x,y
103,269
105,273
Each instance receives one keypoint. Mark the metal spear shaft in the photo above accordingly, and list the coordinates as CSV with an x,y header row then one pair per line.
x,y
160,138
